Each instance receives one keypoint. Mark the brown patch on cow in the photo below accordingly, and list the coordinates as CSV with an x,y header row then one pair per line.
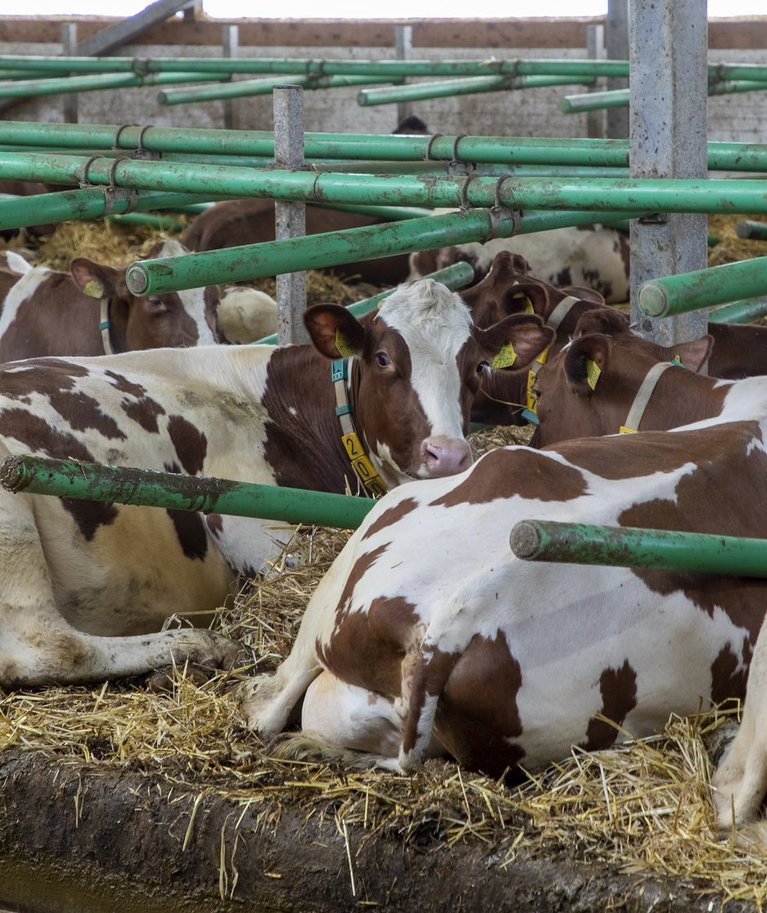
x,y
44,376
89,515
504,473
619,698
130,388
391,516
361,566
563,277
729,673
40,436
144,412
190,531
190,444
428,676
215,524
367,649
212,299
478,717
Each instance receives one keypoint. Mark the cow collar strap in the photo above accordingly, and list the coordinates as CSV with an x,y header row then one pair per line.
x,y
646,390
530,414
371,481
105,325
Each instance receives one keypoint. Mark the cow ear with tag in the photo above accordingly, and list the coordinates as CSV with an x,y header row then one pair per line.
x,y
586,360
95,279
515,341
693,354
526,298
334,331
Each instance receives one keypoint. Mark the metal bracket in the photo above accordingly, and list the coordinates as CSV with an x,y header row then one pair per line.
x,y
654,218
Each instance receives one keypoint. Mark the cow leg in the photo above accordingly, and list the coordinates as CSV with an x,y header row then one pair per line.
x,y
740,781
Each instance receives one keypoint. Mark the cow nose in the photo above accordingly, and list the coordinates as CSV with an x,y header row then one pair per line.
x,y
445,456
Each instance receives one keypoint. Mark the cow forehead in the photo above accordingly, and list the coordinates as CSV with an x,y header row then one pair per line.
x,y
429,317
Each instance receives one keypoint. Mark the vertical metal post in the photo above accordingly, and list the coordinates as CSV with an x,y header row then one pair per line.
x,y
617,48
403,47
231,49
595,48
69,49
290,218
668,61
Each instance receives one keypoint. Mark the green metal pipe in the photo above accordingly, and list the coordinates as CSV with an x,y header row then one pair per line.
x,y
739,311
596,194
748,228
393,213
619,98
246,88
459,275
255,261
87,203
473,85
582,543
124,485
68,85
386,147
161,223
704,287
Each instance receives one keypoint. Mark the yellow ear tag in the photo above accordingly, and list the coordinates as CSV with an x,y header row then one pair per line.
x,y
677,360
506,357
529,309
93,288
593,372
342,344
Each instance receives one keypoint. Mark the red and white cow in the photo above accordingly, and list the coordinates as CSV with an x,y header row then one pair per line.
x,y
12,267
89,311
593,256
428,635
83,584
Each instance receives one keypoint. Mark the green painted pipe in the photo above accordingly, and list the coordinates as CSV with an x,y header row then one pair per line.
x,y
619,98
748,228
87,203
125,485
393,213
255,261
739,311
473,85
459,275
382,147
73,84
246,88
704,287
161,223
582,543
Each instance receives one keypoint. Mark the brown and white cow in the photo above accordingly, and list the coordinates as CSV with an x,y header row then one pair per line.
x,y
251,221
85,587
89,311
593,256
428,635
12,267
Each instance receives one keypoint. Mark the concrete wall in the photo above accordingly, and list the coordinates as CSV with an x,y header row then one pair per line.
x,y
535,112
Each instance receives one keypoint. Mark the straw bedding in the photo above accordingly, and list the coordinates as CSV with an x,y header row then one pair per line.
x,y
643,808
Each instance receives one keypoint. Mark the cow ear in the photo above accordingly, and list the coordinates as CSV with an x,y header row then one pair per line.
x,y
515,340
423,262
95,279
604,320
694,354
335,332
526,298
585,361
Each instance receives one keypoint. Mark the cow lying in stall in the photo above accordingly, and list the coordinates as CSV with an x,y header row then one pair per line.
x,y
83,583
89,311
592,256
427,635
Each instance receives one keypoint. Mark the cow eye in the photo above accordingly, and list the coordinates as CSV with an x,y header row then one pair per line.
x,y
383,359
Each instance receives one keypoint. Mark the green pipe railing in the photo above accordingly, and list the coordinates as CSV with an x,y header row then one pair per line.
x,y
456,276
159,222
381,147
619,98
596,194
247,88
748,228
125,485
701,288
739,311
74,84
582,543
448,88
269,258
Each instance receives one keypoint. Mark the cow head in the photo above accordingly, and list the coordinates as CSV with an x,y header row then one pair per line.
x,y
589,387
418,366
177,319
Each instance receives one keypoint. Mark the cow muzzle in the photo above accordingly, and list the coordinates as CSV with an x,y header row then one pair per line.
x,y
445,456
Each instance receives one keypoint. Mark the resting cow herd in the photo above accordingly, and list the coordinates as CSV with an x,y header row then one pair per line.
x,y
427,636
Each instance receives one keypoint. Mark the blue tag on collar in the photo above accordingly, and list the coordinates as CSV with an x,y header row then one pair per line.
x,y
529,416
338,369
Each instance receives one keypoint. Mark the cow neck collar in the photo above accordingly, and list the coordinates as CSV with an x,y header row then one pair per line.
x,y
642,398
554,319
105,325
372,483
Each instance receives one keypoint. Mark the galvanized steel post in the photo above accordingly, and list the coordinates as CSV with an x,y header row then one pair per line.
x,y
669,76
231,48
595,45
290,218
68,47
617,48
403,48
